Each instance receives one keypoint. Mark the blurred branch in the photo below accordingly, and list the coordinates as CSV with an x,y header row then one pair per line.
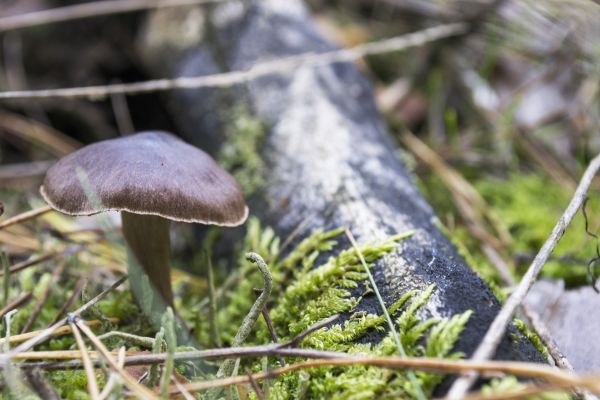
x,y
279,66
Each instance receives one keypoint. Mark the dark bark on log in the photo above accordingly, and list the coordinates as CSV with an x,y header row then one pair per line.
x,y
331,161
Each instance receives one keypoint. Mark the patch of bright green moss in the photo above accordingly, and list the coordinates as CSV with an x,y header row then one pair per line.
x,y
305,293
533,337
510,384
72,384
530,205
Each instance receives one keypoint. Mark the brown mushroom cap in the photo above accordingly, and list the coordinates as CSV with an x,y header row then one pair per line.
x,y
147,173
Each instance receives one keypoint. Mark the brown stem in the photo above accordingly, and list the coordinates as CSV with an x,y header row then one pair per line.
x,y
149,242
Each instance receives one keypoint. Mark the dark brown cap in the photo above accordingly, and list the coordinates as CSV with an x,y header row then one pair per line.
x,y
147,173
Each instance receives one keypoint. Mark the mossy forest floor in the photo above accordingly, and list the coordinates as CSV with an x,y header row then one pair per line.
x,y
493,157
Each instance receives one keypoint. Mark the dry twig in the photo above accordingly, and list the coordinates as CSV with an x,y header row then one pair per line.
x,y
329,358
466,197
497,329
64,330
515,368
140,391
24,299
280,66
40,385
74,296
114,377
26,216
46,333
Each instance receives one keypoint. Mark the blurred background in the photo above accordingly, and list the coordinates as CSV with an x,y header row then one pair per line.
x,y
497,125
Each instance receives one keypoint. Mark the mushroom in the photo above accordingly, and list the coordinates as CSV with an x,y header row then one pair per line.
x,y
152,178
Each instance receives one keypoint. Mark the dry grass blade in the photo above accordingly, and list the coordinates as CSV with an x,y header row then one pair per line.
x,y
53,141
122,114
139,390
114,377
411,376
55,355
23,299
328,358
270,327
227,79
20,243
38,260
182,390
64,330
320,324
516,368
546,160
92,383
43,335
88,10
26,216
498,327
254,385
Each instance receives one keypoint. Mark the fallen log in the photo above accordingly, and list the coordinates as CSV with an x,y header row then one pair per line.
x,y
330,160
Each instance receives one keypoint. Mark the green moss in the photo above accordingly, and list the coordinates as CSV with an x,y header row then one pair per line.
x,y
431,337
305,292
240,152
72,385
533,337
306,289
510,384
530,206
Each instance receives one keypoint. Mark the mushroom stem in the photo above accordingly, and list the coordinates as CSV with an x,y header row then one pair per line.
x,y
150,245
